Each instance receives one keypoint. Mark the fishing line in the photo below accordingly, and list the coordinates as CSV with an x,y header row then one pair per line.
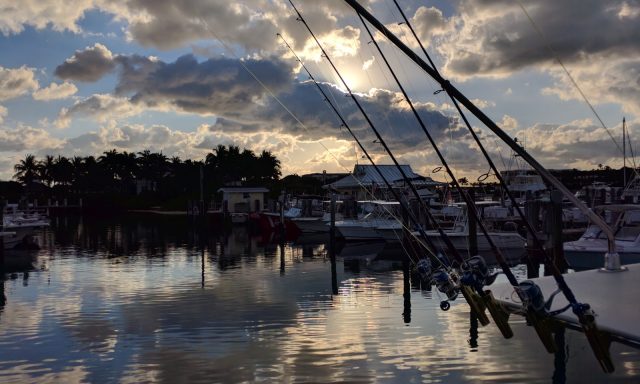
x,y
570,77
585,314
271,93
346,125
443,235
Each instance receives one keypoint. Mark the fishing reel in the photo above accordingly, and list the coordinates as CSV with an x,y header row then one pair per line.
x,y
475,274
540,316
536,312
447,285
423,267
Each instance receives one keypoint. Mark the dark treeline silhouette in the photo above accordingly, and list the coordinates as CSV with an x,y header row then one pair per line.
x,y
146,178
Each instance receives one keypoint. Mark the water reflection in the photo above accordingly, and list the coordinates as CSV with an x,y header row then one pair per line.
x,y
162,300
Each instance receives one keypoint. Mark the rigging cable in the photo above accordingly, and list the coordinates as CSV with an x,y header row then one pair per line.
x,y
573,81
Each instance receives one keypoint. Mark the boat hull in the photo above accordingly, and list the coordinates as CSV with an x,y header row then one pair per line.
x,y
357,232
511,245
311,225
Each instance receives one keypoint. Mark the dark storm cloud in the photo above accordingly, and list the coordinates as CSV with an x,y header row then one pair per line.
x,y
89,64
386,109
494,36
215,86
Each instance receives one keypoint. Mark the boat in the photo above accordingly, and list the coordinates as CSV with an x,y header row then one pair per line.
x,y
510,243
587,252
377,213
22,227
312,224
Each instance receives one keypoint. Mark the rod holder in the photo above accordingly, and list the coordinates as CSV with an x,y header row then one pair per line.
x,y
476,303
498,314
612,263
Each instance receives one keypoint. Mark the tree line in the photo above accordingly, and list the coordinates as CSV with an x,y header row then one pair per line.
x,y
127,173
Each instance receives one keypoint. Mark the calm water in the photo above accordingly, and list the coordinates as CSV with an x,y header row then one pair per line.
x,y
145,299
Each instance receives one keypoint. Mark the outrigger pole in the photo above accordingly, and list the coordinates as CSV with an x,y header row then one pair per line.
x,y
473,298
612,259
487,297
612,263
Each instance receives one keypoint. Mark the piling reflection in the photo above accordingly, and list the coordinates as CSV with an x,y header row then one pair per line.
x,y
173,310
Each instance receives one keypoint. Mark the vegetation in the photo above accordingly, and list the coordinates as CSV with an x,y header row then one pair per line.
x,y
146,178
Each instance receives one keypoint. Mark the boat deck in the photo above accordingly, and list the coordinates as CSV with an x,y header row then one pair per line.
x,y
612,295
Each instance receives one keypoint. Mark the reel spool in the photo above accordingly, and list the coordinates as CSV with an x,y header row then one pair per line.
x,y
446,285
423,267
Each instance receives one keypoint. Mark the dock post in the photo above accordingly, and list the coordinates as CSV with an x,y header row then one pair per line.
x,y
282,233
332,245
555,232
3,203
473,226
406,291
532,212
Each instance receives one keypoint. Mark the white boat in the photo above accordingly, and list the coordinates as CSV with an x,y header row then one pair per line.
x,y
379,214
510,243
22,228
588,251
310,224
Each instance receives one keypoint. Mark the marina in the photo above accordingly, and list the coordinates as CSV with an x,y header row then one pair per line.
x,y
142,293
297,191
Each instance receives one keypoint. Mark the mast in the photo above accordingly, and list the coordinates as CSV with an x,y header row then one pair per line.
x,y
624,153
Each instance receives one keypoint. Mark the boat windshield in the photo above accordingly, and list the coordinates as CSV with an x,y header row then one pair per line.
x,y
626,225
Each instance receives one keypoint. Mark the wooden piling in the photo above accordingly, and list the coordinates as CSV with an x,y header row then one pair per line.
x,y
473,226
555,232
332,245
406,294
532,212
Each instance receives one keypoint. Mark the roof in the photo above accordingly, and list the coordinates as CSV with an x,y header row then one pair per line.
x,y
243,190
367,175
618,207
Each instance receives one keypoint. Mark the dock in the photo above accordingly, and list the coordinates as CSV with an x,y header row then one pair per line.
x,y
613,296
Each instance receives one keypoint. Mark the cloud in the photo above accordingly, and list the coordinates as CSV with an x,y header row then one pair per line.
x,y
101,107
218,86
3,113
495,37
55,92
26,138
42,13
15,82
89,64
387,110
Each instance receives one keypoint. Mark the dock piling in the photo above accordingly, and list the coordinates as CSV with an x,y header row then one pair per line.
x,y
332,246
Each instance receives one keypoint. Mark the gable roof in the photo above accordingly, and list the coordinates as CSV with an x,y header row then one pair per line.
x,y
243,190
367,175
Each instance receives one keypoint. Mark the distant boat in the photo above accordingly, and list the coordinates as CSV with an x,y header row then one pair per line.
x,y
511,243
379,214
22,227
587,252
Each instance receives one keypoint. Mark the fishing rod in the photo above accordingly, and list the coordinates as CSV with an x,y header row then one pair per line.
x,y
583,311
442,280
539,318
501,181
344,123
495,309
470,293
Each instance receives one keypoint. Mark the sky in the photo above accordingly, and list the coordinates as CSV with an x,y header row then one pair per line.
x,y
80,77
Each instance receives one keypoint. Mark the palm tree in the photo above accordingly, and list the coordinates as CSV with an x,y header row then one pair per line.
x,y
26,170
268,166
46,169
